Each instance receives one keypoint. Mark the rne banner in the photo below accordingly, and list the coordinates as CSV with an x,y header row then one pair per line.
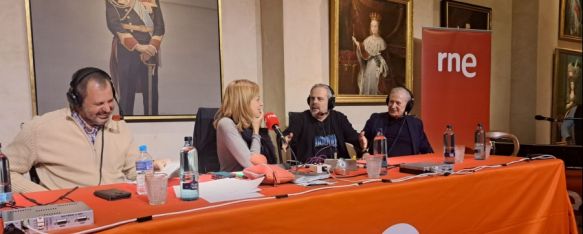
x,y
455,83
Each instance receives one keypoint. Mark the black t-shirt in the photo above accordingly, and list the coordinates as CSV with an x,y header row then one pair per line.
x,y
309,133
325,142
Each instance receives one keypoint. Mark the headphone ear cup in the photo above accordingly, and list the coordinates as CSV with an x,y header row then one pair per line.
x,y
72,98
331,103
410,105
308,100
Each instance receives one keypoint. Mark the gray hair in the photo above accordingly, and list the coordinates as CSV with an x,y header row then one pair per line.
x,y
403,90
327,87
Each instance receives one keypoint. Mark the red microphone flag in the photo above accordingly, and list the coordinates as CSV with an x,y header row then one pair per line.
x,y
271,120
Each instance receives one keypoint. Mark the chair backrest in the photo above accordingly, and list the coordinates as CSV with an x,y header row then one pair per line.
x,y
205,140
293,116
505,135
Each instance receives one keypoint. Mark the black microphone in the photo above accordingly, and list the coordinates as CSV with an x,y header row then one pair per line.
x,y
540,117
120,110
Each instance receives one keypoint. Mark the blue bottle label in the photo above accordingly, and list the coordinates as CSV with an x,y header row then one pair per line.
x,y
6,197
144,165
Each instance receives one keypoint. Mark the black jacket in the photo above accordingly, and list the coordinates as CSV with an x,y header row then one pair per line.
x,y
303,126
413,126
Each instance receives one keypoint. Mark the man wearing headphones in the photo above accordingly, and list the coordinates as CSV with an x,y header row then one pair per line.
x,y
79,145
404,133
321,132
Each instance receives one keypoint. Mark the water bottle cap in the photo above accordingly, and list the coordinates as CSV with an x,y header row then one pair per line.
x,y
187,138
143,148
449,126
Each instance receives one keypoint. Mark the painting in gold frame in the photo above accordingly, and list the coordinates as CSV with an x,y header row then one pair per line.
x,y
456,14
567,94
570,20
371,49
61,40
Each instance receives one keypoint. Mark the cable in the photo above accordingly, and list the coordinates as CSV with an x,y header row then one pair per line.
x,y
397,136
11,205
107,226
62,197
320,150
216,206
34,230
175,213
101,158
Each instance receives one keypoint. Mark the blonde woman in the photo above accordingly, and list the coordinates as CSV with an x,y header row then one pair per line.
x,y
238,122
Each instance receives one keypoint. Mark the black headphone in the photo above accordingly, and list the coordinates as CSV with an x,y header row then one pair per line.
x,y
331,100
410,103
76,99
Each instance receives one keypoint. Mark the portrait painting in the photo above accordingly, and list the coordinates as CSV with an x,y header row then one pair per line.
x,y
567,95
163,55
370,48
570,20
456,14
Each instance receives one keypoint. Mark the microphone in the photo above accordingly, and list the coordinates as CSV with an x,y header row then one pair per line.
x,y
540,117
119,116
272,123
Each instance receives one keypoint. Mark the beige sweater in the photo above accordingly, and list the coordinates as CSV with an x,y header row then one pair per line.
x,y
64,157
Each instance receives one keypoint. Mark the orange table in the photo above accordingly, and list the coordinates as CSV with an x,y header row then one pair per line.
x,y
527,197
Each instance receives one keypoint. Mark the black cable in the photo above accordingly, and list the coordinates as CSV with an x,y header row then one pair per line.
x,y
398,134
31,200
101,158
11,205
62,197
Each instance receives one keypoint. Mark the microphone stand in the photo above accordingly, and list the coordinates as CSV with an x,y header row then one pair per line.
x,y
280,142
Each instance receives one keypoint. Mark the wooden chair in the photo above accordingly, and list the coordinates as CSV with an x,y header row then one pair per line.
x,y
504,135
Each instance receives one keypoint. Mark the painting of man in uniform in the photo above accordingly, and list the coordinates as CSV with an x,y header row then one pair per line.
x,y
163,55
372,46
138,28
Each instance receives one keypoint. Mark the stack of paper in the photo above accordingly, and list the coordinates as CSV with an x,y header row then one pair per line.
x,y
227,189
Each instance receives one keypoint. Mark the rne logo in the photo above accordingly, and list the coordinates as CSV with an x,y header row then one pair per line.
x,y
468,61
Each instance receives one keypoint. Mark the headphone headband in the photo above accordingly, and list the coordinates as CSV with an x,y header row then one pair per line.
x,y
73,96
331,100
410,103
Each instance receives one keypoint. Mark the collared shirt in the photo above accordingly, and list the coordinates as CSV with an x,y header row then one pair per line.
x,y
90,131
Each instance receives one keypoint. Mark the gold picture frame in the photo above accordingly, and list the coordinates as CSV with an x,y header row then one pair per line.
x,y
352,66
570,28
567,89
62,40
456,14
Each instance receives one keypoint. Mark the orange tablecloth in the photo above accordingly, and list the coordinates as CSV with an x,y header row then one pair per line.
x,y
528,197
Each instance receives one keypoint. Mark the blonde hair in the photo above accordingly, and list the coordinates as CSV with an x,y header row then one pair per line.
x,y
236,100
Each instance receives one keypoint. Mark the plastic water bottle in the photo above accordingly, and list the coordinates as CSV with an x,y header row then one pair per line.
x,y
380,149
188,171
480,143
144,165
449,145
5,185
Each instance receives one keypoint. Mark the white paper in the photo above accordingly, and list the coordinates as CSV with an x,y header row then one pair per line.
x,y
227,189
171,167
